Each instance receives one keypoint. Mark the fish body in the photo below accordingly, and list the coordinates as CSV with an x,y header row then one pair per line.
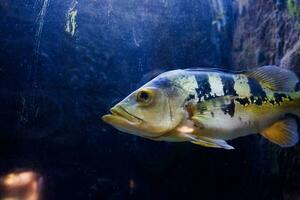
x,y
208,107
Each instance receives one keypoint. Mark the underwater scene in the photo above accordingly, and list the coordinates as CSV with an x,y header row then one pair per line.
x,y
149,99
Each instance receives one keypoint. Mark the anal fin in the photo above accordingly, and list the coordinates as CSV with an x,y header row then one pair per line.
x,y
283,132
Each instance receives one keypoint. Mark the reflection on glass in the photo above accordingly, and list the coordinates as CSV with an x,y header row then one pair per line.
x,y
132,186
25,185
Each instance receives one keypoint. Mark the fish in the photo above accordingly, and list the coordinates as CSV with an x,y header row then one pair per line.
x,y
209,107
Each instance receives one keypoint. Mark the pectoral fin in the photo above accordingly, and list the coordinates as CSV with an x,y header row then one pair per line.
x,y
283,132
209,142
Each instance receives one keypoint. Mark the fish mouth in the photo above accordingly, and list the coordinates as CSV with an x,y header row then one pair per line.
x,y
121,117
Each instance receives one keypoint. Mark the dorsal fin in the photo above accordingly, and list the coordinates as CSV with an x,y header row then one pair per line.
x,y
274,78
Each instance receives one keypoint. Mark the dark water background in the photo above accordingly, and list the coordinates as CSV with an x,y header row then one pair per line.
x,y
54,86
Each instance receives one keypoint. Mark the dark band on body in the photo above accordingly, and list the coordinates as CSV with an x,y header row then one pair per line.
x,y
258,95
228,85
204,89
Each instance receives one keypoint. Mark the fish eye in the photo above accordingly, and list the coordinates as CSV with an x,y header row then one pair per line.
x,y
144,96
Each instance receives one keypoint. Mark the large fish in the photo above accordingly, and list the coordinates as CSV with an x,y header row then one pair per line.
x,y
208,107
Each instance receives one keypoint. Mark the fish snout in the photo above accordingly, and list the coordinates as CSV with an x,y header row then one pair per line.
x,y
118,112
108,117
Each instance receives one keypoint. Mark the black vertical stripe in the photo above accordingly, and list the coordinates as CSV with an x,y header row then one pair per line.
x,y
258,95
203,89
228,84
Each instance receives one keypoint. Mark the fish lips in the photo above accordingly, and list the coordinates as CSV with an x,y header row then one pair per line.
x,y
121,119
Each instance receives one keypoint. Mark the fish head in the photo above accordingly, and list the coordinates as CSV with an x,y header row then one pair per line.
x,y
150,112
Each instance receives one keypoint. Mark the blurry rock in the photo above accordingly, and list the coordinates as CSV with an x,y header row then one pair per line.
x,y
293,7
260,57
292,58
265,25
242,6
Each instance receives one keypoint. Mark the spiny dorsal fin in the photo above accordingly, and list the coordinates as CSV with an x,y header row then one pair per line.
x,y
275,78
283,132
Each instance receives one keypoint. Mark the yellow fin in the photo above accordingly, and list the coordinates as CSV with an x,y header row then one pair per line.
x,y
283,132
274,78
